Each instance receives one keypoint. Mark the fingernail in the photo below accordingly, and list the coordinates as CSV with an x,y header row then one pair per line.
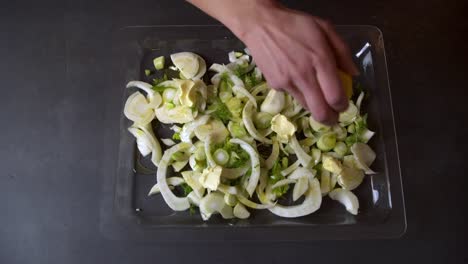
x,y
343,105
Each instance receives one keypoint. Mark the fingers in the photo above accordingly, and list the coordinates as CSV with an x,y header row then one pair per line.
x,y
330,84
315,101
342,54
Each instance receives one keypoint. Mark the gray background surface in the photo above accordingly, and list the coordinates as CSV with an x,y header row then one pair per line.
x,y
54,76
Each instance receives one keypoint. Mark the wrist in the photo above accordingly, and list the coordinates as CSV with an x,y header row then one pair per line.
x,y
249,15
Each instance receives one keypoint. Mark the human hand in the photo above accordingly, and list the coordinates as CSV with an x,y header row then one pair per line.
x,y
300,54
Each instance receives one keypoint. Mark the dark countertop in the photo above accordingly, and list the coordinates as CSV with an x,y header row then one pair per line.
x,y
54,61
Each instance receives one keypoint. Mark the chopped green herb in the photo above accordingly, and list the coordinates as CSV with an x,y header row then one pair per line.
x,y
220,110
159,63
147,72
176,136
186,188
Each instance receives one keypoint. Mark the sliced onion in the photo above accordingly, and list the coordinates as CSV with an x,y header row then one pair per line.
x,y
300,187
251,204
270,161
214,203
311,203
240,211
187,132
138,109
282,183
346,198
304,158
255,162
234,173
247,119
168,142
291,168
174,202
364,156
172,181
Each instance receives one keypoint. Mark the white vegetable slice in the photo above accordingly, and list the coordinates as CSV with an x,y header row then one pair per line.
x,y
178,114
349,115
273,103
331,164
141,85
263,87
209,155
240,211
187,132
300,187
293,108
154,97
174,202
175,128
253,205
232,56
240,91
333,180
270,161
247,114
168,142
316,126
291,168
312,202
350,178
346,198
366,135
226,189
304,158
283,182
301,172
230,199
192,180
325,185
193,199
172,181
214,203
215,128
359,100
234,173
138,109
187,63
201,68
143,143
364,156
179,165
150,140
255,162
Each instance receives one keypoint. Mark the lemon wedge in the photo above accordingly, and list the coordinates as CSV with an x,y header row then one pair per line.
x,y
347,83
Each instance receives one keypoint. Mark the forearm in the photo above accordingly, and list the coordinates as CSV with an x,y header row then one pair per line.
x,y
237,15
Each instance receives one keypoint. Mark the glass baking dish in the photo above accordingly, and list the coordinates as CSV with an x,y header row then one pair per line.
x,y
128,213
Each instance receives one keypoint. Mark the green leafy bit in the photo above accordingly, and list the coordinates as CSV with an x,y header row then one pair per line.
x,y
275,176
176,136
159,63
220,110
186,188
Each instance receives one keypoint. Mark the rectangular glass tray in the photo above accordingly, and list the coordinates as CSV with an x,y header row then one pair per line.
x,y
128,213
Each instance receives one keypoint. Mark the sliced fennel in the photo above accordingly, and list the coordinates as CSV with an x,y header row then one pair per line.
x,y
240,211
174,202
247,145
346,198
